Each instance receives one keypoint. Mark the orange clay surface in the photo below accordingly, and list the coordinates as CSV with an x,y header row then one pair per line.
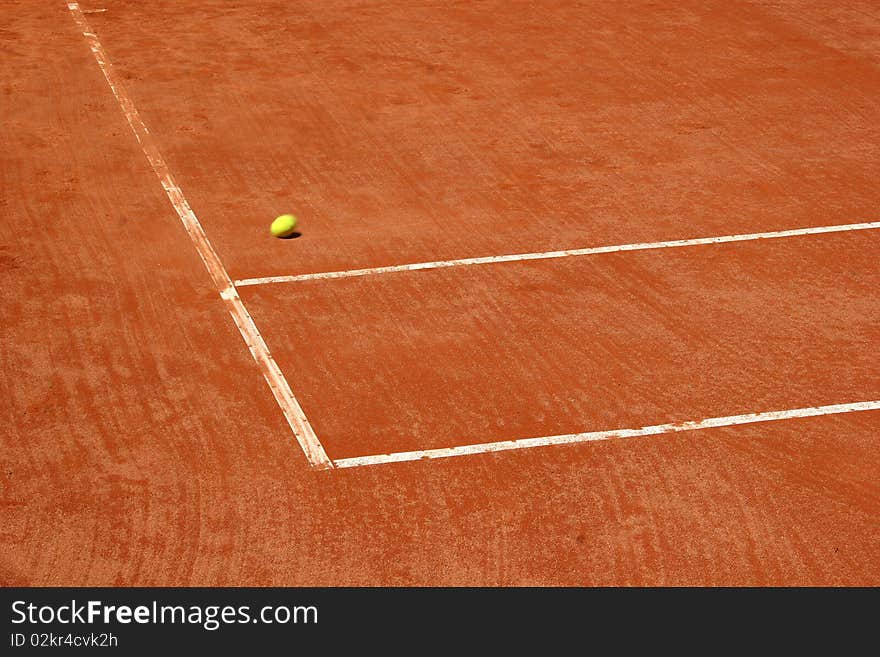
x,y
141,445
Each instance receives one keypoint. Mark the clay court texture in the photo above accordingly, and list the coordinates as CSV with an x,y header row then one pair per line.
x,y
586,292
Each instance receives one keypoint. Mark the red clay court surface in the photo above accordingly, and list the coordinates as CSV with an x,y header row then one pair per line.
x,y
188,401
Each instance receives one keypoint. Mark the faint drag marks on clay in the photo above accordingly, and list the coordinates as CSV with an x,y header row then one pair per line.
x,y
8,262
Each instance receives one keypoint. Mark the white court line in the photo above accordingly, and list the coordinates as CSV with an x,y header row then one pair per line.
x,y
568,439
546,255
303,431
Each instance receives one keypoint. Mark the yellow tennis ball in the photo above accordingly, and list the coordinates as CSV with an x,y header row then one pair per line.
x,y
283,226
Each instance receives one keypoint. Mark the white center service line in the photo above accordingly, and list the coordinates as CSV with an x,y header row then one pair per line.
x,y
294,414
593,436
546,255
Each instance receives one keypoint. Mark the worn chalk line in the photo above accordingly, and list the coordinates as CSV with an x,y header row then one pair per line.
x,y
293,412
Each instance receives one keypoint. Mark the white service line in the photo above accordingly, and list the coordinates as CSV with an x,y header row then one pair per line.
x,y
546,255
297,420
592,436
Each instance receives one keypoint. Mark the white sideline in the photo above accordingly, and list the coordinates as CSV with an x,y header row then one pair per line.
x,y
546,255
297,420
568,439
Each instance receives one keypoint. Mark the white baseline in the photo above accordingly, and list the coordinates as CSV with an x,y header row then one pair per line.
x,y
546,255
293,413
592,436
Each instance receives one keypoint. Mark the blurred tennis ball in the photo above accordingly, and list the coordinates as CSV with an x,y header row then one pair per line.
x,y
283,226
